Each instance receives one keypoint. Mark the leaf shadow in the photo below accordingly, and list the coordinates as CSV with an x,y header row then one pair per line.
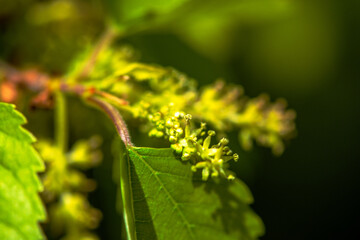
x,y
234,212
144,225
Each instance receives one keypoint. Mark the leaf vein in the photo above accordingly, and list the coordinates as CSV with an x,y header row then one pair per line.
x,y
170,197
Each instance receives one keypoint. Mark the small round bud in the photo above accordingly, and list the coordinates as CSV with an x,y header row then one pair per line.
x,y
160,125
157,117
185,156
177,148
205,174
179,115
159,134
215,174
153,132
231,177
211,133
229,152
169,123
179,131
192,139
172,139
172,132
224,141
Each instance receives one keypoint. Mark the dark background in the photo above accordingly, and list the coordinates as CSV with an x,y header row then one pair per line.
x,y
309,56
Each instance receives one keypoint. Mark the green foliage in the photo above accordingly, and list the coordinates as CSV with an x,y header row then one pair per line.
x,y
171,202
130,12
204,24
135,9
153,203
165,104
20,206
212,24
185,191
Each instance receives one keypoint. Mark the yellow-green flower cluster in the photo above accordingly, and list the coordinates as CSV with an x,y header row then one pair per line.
x,y
267,123
74,215
218,105
225,108
65,188
193,144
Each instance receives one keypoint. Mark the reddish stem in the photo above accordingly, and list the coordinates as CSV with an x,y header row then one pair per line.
x,y
105,40
116,118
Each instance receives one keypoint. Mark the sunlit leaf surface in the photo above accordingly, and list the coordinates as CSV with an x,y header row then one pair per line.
x,y
171,202
20,206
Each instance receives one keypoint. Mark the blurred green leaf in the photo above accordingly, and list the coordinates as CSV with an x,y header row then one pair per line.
x,y
128,12
210,26
20,205
171,202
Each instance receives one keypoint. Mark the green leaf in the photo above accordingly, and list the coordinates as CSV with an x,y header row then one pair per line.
x,y
210,26
20,205
128,12
171,202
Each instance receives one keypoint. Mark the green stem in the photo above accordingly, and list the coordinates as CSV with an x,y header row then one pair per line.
x,y
126,196
61,122
125,182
